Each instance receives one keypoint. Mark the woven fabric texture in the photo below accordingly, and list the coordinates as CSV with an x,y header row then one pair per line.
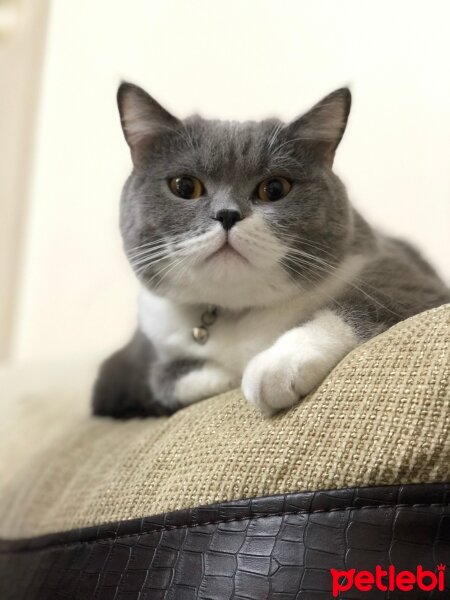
x,y
381,417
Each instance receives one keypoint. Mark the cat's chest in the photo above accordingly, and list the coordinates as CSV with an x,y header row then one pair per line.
x,y
234,337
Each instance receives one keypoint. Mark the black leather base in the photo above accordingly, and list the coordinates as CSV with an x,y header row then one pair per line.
x,y
279,548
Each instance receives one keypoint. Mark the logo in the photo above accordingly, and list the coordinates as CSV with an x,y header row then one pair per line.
x,y
388,580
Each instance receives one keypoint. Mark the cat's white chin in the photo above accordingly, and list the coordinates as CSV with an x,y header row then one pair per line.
x,y
227,252
232,282
236,269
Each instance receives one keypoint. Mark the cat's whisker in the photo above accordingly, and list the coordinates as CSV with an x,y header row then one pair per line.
x,y
169,244
296,237
331,270
160,240
150,251
147,263
153,249
167,269
170,251
274,135
188,246
324,262
147,252
315,284
297,139
263,244
321,247
318,259
356,277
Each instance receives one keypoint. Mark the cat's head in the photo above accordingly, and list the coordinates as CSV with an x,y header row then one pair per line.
x,y
233,214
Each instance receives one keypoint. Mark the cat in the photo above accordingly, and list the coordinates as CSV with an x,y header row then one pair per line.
x,y
256,269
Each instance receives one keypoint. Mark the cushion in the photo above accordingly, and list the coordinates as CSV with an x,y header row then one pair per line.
x,y
382,417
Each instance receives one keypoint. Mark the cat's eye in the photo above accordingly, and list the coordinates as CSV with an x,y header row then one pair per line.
x,y
273,189
186,187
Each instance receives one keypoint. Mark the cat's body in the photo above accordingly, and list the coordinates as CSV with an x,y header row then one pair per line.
x,y
295,282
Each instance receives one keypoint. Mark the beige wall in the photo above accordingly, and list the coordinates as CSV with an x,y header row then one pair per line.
x,y
233,59
22,35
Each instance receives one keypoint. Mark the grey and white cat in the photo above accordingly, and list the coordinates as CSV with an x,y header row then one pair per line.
x,y
256,270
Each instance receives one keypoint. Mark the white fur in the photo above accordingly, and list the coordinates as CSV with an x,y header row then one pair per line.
x,y
298,361
237,335
240,333
202,383
249,277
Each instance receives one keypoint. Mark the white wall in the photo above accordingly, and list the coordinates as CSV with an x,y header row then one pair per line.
x,y
233,59
22,36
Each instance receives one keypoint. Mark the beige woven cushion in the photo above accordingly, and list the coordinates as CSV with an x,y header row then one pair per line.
x,y
381,417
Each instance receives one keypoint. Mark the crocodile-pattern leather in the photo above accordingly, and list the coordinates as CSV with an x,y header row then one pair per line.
x,y
279,547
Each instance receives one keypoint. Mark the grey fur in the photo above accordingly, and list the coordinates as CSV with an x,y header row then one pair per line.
x,y
318,220
122,389
238,156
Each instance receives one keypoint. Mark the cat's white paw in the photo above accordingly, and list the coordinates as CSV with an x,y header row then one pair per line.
x,y
297,363
203,383
274,380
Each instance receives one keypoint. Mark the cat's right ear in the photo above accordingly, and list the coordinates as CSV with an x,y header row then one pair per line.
x,y
323,126
142,118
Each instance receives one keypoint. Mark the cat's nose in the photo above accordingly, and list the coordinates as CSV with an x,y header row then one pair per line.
x,y
228,217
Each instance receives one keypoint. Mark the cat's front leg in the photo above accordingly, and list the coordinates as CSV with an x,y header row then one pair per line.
x,y
297,362
206,381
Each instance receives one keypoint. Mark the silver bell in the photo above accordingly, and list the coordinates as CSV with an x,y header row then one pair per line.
x,y
200,335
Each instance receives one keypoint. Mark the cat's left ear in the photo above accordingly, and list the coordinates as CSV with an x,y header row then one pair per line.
x,y
142,118
323,126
